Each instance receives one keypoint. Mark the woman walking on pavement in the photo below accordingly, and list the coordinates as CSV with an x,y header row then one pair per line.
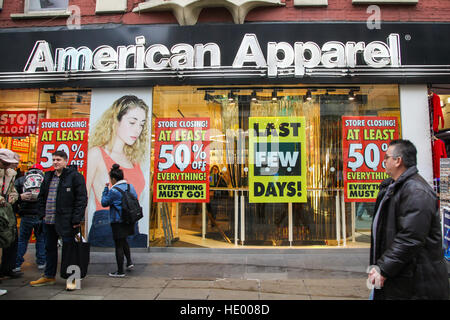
x,y
120,230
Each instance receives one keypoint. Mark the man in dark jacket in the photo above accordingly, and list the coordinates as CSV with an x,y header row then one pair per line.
x,y
62,203
406,245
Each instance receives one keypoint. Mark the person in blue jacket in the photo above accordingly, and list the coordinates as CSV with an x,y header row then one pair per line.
x,y
112,198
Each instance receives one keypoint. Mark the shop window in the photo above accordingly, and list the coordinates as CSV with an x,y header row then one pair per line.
x,y
229,217
22,109
43,9
21,113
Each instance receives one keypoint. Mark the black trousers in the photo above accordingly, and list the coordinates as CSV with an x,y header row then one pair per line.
x,y
122,248
9,257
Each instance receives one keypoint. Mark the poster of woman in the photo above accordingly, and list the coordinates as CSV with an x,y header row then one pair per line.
x,y
120,133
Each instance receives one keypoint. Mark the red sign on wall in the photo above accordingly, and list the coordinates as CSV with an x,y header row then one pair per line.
x,y
20,145
181,172
69,135
19,123
364,143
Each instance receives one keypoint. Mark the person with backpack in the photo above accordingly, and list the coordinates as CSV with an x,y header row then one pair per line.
x,y
121,227
28,187
8,229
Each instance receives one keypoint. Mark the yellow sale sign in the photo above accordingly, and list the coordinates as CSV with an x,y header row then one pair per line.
x,y
277,159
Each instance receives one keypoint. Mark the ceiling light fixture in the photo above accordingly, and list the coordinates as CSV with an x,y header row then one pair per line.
x,y
231,96
207,96
308,95
274,95
351,95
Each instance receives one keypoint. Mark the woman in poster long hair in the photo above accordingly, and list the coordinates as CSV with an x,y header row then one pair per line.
x,y
119,136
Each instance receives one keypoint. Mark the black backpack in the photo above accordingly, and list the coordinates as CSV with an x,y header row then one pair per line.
x,y
131,209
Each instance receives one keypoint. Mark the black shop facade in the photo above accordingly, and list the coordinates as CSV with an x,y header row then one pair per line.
x,y
264,134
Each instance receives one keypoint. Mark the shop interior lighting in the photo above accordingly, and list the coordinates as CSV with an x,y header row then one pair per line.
x,y
62,96
274,95
62,91
351,95
233,92
312,88
308,95
207,96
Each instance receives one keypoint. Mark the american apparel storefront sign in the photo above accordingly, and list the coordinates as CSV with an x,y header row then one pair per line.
x,y
277,58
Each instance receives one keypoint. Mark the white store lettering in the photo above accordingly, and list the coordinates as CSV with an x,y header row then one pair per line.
x,y
281,56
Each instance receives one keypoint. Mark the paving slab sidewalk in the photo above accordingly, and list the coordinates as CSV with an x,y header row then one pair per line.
x,y
195,275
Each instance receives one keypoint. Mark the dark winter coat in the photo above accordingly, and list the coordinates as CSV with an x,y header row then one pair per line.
x,y
71,200
408,247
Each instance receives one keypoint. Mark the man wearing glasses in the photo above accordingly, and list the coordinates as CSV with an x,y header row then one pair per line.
x,y
406,254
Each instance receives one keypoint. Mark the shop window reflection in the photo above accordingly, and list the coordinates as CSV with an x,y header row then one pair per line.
x,y
314,222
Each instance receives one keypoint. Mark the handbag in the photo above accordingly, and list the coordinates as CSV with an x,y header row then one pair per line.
x,y
75,252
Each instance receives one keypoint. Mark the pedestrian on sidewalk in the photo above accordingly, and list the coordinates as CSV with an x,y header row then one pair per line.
x,y
8,162
406,251
62,203
28,187
112,198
